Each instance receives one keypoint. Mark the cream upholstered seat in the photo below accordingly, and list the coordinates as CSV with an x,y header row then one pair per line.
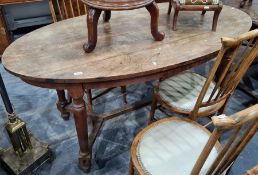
x,y
182,91
196,96
178,146
198,2
173,147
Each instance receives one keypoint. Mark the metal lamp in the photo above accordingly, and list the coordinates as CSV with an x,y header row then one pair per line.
x,y
27,153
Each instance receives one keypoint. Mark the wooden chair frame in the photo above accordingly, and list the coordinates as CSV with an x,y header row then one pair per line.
x,y
243,3
68,9
179,7
228,69
227,154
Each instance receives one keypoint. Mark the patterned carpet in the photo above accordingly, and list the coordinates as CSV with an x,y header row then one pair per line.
x,y
36,106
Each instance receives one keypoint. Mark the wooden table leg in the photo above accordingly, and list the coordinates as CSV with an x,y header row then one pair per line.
x,y
80,117
92,22
154,12
61,103
106,15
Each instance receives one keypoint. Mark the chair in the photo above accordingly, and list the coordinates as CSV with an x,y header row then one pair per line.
x,y
243,2
194,95
253,171
196,5
64,9
181,146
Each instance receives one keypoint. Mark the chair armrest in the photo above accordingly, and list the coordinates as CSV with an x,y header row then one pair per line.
x,y
223,122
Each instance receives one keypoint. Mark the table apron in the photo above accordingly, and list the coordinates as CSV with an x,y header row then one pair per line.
x,y
120,82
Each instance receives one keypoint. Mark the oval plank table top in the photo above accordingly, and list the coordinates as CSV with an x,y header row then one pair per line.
x,y
125,53
117,4
53,57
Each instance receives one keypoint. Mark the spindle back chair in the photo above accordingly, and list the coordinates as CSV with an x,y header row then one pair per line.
x,y
64,9
231,63
238,59
214,158
243,126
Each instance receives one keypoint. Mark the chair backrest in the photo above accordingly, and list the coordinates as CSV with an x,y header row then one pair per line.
x,y
64,9
233,60
240,127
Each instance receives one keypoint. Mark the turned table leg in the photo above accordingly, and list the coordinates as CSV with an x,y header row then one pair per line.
x,y
80,117
92,22
106,15
154,12
61,103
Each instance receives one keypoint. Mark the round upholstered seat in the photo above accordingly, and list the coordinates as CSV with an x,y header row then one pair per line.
x,y
198,2
172,146
117,4
182,91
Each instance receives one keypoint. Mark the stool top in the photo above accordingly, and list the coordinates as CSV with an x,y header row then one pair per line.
x,y
198,2
117,4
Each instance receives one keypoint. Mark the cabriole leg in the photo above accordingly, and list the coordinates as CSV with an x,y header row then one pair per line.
x,y
175,19
154,12
92,22
215,19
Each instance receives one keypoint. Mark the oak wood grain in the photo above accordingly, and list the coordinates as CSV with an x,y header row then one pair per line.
x,y
125,50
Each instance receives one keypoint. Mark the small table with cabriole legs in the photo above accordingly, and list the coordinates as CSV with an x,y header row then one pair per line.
x,y
95,7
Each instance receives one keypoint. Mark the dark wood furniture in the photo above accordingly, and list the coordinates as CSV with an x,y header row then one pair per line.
x,y
250,9
69,9
197,96
96,6
66,9
57,60
243,3
182,146
186,7
5,38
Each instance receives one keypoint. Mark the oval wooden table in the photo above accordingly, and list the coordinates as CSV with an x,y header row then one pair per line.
x,y
53,57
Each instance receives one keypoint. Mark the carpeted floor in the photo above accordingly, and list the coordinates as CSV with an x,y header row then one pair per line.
x,y
36,106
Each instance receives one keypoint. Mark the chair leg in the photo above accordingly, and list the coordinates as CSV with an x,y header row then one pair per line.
x,y
175,19
131,169
123,90
242,3
89,98
153,109
169,7
215,19
203,12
